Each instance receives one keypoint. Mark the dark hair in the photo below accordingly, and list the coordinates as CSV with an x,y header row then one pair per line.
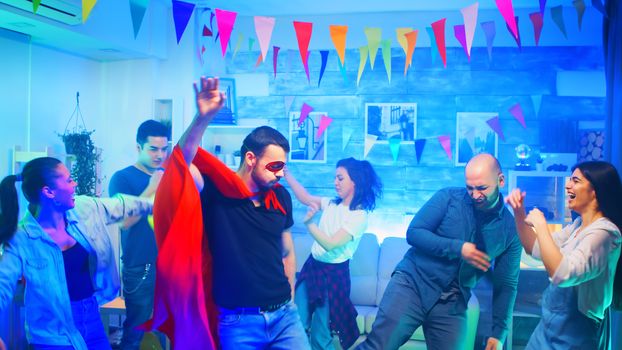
x,y
260,138
368,186
151,128
37,173
605,180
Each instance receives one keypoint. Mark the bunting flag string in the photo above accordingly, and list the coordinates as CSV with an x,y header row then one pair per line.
x,y
275,54
324,54
370,141
225,21
490,32
363,51
579,5
346,135
304,113
419,146
137,10
461,37
182,11
325,121
537,101
288,100
386,57
517,37
338,36
433,47
469,14
445,141
542,7
439,35
238,44
373,43
403,41
507,11
87,7
303,34
495,125
517,112
412,43
536,20
35,5
394,146
557,13
263,29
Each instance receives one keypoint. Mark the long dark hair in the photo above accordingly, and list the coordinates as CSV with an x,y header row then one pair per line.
x,y
606,183
368,186
37,173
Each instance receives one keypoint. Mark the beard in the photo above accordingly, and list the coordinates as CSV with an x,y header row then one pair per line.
x,y
488,202
262,184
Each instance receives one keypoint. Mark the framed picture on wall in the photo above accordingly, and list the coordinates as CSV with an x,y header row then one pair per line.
x,y
474,136
305,146
228,114
389,120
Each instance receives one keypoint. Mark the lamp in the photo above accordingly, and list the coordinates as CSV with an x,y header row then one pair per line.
x,y
301,139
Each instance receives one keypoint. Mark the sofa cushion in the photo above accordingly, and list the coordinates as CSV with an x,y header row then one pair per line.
x,y
391,253
364,271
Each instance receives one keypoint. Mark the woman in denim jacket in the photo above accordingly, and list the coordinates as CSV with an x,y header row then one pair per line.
x,y
62,251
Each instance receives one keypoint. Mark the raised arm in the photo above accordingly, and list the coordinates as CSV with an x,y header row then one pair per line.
x,y
209,101
300,192
516,199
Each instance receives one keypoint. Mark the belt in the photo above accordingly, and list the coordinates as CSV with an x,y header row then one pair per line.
x,y
255,310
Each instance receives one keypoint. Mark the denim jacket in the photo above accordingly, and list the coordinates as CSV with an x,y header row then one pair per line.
x,y
32,255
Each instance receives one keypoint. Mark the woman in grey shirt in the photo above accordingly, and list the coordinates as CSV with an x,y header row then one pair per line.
x,y
581,259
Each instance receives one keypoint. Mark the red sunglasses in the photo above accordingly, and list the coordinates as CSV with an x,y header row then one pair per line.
x,y
275,166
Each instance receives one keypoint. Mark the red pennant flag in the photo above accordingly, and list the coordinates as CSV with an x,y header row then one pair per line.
x,y
206,31
495,125
303,34
439,35
536,19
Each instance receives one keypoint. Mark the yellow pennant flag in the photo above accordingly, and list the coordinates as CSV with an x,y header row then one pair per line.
x,y
87,6
373,43
363,50
401,38
338,35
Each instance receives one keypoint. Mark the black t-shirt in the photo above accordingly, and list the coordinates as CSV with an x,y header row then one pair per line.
x,y
246,246
138,243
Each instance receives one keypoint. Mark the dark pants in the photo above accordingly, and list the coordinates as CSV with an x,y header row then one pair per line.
x,y
138,291
401,313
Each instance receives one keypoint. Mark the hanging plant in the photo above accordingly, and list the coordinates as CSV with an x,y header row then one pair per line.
x,y
78,143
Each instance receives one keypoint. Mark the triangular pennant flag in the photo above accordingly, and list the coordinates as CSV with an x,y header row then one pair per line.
x,y
536,19
324,123
579,5
225,21
181,16
363,51
461,37
445,141
137,10
507,11
386,57
495,125
346,135
238,44
304,113
342,69
370,141
251,42
411,38
557,13
401,38
211,21
439,35
207,31
275,56
490,32
338,36
307,67
394,146
303,34
537,101
598,5
419,146
373,42
87,7
469,14
517,37
517,112
263,29
259,60
35,5
542,7
433,48
470,137
324,54
288,100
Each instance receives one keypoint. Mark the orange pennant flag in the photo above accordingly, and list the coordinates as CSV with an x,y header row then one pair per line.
x,y
338,35
412,42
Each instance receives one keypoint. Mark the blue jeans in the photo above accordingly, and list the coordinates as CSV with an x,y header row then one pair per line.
x,y
88,322
279,329
400,313
138,292
317,324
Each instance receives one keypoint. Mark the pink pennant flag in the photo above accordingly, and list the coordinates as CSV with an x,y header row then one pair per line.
x,y
263,29
303,34
495,125
536,20
470,21
445,141
324,123
439,35
181,15
490,32
507,11
225,21
304,113
460,35
517,38
517,112
288,100
275,55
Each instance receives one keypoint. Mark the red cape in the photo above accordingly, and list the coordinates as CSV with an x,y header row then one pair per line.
x,y
183,306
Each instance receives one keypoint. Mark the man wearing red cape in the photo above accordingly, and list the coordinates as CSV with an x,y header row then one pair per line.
x,y
226,264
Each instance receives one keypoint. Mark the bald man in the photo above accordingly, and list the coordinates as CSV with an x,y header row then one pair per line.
x,y
456,237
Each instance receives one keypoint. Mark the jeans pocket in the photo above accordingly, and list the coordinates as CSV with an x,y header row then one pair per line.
x,y
231,319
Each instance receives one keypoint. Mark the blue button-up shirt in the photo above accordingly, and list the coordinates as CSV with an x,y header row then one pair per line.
x,y
32,255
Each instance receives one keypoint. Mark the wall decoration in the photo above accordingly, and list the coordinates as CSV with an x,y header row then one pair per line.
x,y
474,136
591,145
387,120
305,144
228,114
